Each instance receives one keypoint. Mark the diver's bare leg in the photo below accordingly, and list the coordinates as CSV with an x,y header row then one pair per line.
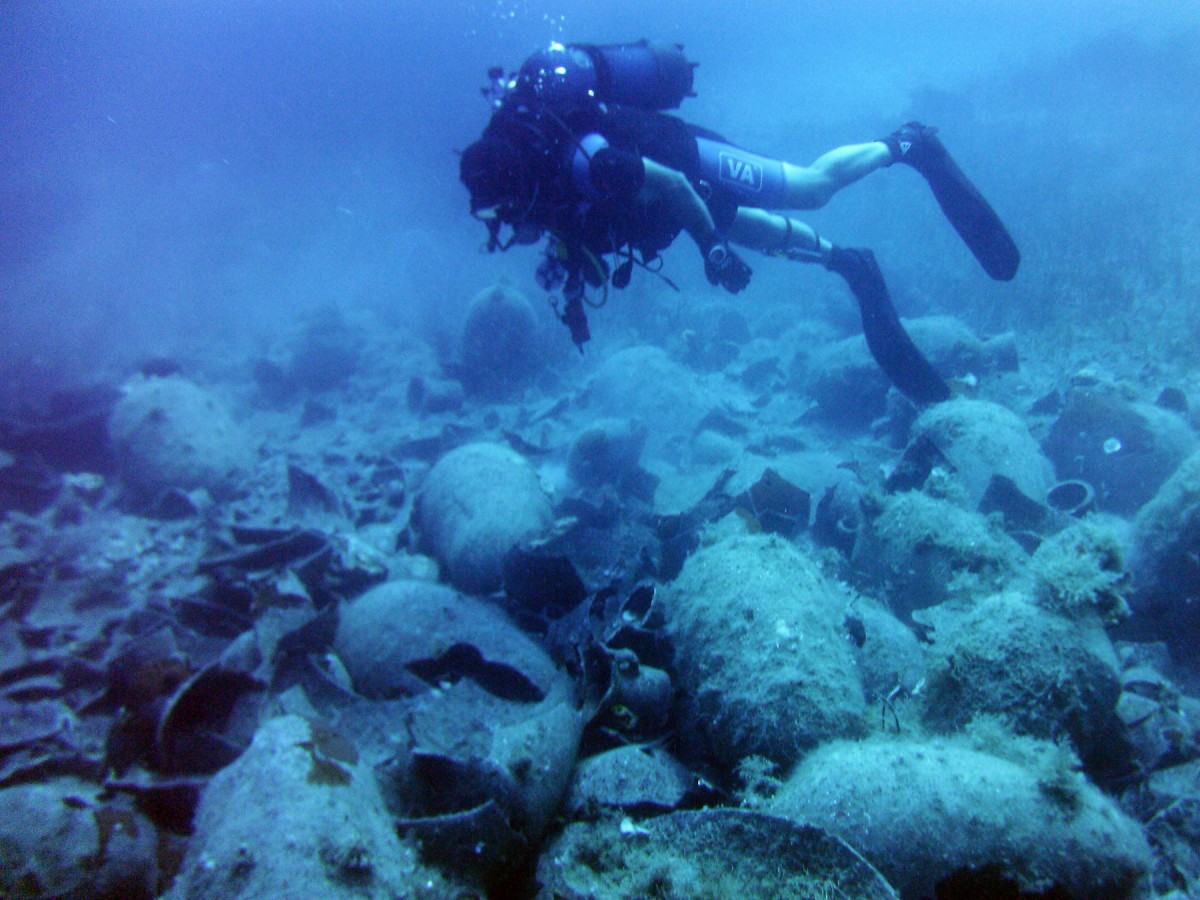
x,y
887,340
778,235
812,186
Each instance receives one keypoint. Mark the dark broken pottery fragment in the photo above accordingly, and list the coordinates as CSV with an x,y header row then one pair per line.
x,y
309,496
540,586
1018,512
41,762
168,801
479,843
465,661
174,505
776,504
614,645
21,579
920,458
839,515
211,717
28,724
223,612
43,734
290,547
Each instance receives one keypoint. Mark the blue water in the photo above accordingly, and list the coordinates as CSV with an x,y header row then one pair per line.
x,y
181,178
264,196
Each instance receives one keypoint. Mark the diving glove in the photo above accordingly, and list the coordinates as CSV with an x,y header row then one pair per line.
x,y
726,269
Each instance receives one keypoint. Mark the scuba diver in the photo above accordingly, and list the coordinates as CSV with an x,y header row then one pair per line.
x,y
579,147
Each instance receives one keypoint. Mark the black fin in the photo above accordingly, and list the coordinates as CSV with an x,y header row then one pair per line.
x,y
967,209
889,343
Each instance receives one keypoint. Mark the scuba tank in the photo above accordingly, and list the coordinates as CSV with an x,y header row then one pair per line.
x,y
648,76
542,100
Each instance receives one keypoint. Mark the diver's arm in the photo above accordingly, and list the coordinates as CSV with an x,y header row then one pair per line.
x,y
672,187
616,173
722,266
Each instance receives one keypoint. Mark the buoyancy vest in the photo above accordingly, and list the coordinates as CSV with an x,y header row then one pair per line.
x,y
550,142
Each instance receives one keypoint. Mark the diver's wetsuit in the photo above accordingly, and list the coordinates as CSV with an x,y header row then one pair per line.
x,y
582,129
727,176
593,197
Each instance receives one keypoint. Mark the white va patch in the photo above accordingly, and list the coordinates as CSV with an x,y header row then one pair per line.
x,y
745,174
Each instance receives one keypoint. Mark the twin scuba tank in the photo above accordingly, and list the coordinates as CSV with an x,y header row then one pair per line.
x,y
647,76
644,75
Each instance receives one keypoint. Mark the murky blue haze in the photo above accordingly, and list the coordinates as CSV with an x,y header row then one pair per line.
x,y
180,177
